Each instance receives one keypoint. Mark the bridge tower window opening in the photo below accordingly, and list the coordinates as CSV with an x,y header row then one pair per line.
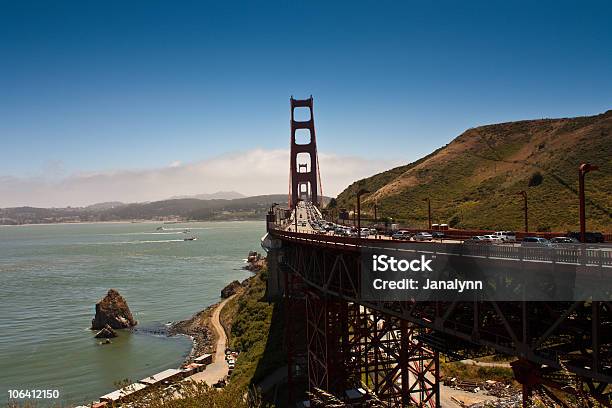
x,y
304,189
303,137
304,163
302,114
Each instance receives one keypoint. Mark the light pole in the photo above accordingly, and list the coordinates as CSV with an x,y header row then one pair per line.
x,y
295,216
582,171
376,219
359,193
428,211
525,209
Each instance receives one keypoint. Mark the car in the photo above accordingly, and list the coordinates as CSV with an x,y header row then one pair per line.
x,y
535,242
494,239
506,236
476,239
422,236
373,231
564,240
402,235
589,237
438,235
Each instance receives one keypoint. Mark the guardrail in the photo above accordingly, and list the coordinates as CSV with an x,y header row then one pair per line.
x,y
579,254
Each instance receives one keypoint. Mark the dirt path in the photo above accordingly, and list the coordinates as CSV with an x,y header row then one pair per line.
x,y
218,369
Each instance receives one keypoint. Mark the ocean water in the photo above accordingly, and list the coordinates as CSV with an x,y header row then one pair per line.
x,y
51,276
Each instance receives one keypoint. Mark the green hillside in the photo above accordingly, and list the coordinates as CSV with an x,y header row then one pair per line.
x,y
473,181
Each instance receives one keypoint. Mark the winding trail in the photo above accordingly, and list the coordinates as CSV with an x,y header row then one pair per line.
x,y
218,369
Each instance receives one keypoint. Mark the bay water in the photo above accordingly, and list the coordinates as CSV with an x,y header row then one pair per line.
x,y
51,276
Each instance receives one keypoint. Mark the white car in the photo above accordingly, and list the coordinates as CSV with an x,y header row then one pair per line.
x,y
422,236
494,239
506,236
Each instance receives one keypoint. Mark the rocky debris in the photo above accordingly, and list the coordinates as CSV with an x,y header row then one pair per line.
x,y
113,311
107,332
514,401
505,396
230,289
499,389
255,262
198,329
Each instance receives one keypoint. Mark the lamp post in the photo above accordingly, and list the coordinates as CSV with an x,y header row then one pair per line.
x,y
376,219
375,213
295,216
582,171
359,193
525,209
428,211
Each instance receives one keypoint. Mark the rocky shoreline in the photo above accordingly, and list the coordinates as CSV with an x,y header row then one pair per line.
x,y
198,327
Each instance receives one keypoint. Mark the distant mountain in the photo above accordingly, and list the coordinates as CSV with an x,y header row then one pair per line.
x,y
473,181
175,209
219,195
104,206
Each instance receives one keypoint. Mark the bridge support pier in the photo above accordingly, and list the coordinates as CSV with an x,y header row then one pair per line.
x,y
350,346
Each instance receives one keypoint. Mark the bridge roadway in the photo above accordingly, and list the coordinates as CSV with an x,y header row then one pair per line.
x,y
550,339
593,255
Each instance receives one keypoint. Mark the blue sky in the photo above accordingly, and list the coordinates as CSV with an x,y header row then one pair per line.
x,y
115,86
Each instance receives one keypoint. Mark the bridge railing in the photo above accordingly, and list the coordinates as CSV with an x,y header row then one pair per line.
x,y
575,254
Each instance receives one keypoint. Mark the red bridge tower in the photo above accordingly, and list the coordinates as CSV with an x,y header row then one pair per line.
x,y
304,177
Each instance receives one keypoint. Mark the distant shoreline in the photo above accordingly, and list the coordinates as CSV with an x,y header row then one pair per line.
x,y
125,222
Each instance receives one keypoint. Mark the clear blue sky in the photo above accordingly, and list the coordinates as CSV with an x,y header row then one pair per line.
x,y
103,85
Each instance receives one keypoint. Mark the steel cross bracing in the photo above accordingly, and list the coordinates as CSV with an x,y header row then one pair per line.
x,y
562,346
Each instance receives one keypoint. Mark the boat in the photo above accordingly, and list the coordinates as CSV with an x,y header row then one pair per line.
x,y
159,228
189,239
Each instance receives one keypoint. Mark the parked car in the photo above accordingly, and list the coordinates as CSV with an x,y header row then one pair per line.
x,y
494,239
535,242
404,235
506,236
422,236
365,232
438,235
589,237
373,231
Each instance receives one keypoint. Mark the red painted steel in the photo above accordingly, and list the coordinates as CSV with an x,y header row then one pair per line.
x,y
308,178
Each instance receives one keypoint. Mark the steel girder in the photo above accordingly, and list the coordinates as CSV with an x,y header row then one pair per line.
x,y
571,341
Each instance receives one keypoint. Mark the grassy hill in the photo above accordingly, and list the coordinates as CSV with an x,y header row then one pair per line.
x,y
473,181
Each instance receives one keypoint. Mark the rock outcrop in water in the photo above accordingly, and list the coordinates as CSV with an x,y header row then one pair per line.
x,y
113,311
255,262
